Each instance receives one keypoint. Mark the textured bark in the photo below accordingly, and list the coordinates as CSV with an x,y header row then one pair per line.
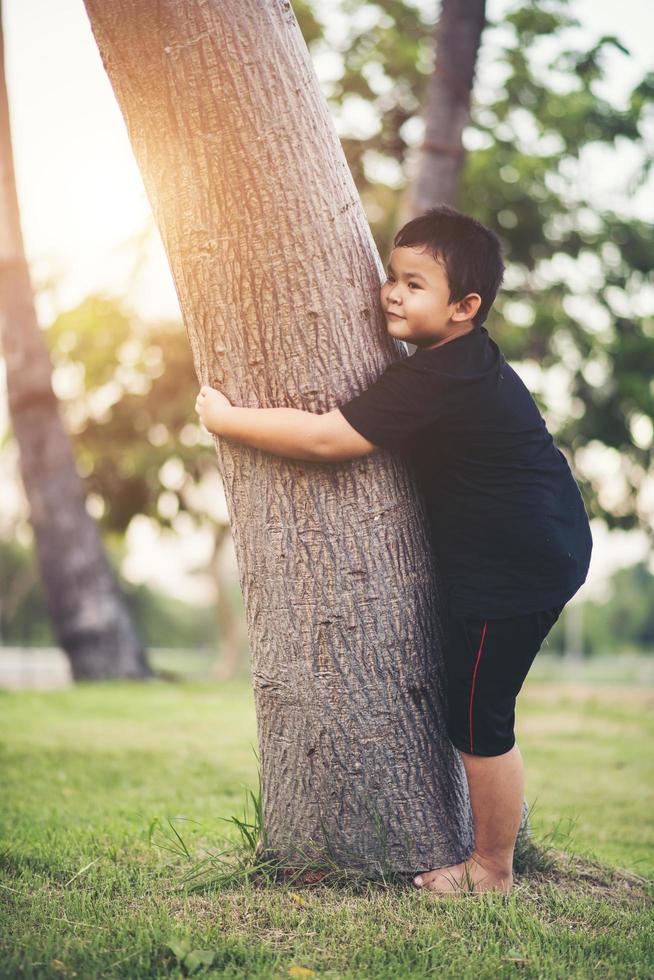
x,y
88,612
278,277
447,108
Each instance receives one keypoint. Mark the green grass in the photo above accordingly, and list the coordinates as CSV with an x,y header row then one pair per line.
x,y
96,780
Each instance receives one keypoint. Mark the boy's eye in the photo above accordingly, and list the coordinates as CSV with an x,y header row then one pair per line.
x,y
390,278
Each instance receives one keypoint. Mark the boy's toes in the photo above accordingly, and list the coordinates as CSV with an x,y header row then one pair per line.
x,y
441,880
426,878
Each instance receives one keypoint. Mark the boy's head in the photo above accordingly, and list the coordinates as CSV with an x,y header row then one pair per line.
x,y
444,273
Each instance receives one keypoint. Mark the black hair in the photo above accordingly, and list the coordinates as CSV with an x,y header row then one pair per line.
x,y
469,251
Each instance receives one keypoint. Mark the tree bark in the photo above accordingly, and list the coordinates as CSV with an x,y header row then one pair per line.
x,y
447,108
89,616
278,278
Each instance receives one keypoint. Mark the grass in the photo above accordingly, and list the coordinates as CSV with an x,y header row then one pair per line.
x,y
115,862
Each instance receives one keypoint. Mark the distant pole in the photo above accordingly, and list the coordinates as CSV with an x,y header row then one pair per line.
x,y
574,633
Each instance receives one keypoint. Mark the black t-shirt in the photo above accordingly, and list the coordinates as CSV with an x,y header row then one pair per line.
x,y
509,527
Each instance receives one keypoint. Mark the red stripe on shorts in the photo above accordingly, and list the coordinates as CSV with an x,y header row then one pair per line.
x,y
474,677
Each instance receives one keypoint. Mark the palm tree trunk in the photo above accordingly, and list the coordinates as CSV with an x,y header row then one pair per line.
x,y
89,615
278,279
447,108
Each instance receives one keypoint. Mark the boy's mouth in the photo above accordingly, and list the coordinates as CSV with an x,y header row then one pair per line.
x,y
396,315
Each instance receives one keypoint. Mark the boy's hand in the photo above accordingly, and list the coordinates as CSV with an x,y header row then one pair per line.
x,y
210,406
282,431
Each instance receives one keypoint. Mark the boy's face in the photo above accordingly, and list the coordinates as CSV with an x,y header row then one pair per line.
x,y
415,299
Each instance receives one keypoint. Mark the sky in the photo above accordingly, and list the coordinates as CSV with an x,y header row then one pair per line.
x,y
82,200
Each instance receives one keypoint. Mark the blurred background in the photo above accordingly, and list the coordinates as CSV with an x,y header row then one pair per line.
x,y
558,161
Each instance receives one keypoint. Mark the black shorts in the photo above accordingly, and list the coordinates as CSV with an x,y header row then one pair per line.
x,y
486,662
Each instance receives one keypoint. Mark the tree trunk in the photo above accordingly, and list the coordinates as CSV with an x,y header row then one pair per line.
x,y
278,278
88,612
447,109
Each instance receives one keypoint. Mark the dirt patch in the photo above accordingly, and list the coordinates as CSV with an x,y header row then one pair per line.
x,y
569,870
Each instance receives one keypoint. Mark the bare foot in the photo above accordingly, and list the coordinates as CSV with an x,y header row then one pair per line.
x,y
468,877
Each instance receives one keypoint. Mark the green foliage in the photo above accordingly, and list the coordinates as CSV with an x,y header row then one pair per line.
x,y
576,269
626,621
161,620
23,615
621,624
190,960
131,411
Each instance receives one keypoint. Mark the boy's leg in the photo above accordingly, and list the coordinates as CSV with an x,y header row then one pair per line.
x,y
496,787
486,664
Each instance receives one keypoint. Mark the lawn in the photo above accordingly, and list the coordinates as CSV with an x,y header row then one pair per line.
x,y
95,778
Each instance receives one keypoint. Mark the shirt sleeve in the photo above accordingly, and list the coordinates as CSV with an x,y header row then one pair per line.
x,y
398,407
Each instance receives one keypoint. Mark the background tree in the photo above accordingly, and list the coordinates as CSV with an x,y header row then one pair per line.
x,y
138,442
88,612
447,104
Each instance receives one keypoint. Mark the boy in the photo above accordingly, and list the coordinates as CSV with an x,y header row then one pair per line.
x,y
508,523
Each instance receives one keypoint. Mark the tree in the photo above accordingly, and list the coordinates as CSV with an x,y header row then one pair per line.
x,y
447,108
278,279
131,393
89,615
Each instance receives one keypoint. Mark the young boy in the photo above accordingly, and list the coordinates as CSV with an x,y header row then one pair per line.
x,y
508,523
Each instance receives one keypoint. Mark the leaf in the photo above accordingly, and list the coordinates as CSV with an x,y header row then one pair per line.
x,y
178,947
515,956
297,898
198,958
300,971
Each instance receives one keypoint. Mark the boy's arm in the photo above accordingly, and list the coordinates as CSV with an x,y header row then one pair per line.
x,y
282,431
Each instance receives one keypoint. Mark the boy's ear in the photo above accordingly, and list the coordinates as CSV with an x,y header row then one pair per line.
x,y
467,307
